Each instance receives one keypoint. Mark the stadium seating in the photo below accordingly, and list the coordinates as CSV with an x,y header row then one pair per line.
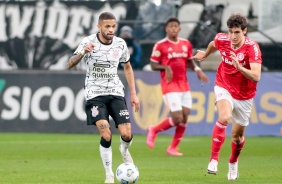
x,y
189,15
242,8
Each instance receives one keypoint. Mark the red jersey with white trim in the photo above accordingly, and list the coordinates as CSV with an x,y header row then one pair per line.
x,y
175,55
227,75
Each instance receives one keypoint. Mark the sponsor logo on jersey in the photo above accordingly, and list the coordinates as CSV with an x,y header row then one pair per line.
x,y
225,60
184,48
177,55
169,49
104,75
94,111
102,65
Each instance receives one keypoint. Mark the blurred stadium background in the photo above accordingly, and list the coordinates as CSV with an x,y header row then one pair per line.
x,y
38,93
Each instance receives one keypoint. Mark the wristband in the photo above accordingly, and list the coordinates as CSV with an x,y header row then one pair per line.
x,y
197,68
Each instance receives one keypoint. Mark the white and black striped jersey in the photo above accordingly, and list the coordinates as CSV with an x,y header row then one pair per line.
x,y
102,63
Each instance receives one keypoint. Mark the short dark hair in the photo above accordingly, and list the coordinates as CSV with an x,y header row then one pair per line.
x,y
237,20
172,19
106,16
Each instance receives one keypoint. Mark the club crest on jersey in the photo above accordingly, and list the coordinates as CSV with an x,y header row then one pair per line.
x,y
240,56
94,111
184,48
115,53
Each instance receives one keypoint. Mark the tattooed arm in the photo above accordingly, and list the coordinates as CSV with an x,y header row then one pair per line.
x,y
75,59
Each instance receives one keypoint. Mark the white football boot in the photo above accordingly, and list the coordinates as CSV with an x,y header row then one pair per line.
x,y
212,167
233,173
110,179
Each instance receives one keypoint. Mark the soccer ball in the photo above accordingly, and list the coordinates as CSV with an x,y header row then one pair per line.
x,y
127,173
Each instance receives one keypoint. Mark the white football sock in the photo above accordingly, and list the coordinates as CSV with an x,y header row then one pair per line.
x,y
124,145
106,155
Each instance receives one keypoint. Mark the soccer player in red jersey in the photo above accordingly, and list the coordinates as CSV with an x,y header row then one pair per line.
x,y
235,88
172,56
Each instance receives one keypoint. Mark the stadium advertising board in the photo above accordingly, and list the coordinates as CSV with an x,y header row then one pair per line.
x,y
266,117
54,102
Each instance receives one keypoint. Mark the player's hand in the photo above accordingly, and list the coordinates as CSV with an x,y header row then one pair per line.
x,y
135,103
202,76
200,55
168,73
235,61
89,47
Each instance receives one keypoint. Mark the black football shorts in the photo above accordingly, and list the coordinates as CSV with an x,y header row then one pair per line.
x,y
102,107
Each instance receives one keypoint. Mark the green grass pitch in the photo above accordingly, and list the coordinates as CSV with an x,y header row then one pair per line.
x,y
27,158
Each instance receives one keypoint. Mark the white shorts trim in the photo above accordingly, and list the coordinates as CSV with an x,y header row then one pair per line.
x,y
176,100
241,109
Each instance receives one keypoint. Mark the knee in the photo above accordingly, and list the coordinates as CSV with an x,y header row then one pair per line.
x,y
237,138
126,135
177,120
106,143
224,118
107,137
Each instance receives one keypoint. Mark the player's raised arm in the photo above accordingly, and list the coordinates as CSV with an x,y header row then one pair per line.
x,y
75,59
202,55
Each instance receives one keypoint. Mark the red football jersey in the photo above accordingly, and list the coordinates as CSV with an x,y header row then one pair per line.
x,y
174,54
227,75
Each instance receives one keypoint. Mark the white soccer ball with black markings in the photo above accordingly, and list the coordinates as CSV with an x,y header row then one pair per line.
x,y
127,173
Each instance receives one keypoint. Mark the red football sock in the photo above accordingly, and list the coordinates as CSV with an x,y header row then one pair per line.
x,y
218,138
236,150
163,125
178,135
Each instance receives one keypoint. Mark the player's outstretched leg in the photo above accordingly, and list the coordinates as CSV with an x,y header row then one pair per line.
x,y
123,148
153,131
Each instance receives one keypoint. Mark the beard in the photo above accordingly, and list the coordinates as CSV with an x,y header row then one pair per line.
x,y
106,36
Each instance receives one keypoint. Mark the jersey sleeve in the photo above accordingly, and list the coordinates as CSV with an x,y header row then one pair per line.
x,y
254,54
125,54
156,53
81,46
216,39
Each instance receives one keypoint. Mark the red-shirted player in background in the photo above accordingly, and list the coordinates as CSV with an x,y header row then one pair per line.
x,y
235,88
170,56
